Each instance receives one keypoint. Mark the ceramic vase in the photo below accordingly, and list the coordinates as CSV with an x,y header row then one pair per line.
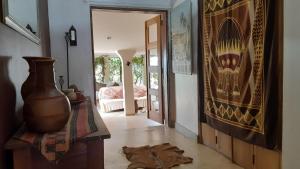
x,y
30,82
46,109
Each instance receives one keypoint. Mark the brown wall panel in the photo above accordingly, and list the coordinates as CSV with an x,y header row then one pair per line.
x,y
266,159
243,154
209,136
224,145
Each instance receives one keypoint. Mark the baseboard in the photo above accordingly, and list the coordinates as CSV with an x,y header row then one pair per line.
x,y
186,132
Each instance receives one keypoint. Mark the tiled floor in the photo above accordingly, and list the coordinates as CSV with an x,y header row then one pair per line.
x,y
135,131
117,121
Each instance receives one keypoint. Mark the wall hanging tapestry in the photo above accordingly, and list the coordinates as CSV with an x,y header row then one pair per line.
x,y
242,69
162,156
181,22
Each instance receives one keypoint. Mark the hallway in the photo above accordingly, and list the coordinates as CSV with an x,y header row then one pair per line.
x,y
136,131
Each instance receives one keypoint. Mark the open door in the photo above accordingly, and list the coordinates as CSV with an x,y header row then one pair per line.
x,y
154,66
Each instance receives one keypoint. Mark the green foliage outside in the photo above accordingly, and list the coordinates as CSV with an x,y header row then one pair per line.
x,y
138,70
99,69
114,65
115,69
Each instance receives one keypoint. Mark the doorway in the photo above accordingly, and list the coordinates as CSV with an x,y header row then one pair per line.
x,y
117,29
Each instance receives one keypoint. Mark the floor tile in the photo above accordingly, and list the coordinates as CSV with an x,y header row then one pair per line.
x,y
134,131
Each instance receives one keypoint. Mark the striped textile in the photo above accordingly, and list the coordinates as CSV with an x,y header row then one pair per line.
x,y
53,146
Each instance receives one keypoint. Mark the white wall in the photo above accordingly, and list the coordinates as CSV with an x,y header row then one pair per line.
x,y
291,89
63,14
128,92
186,85
15,45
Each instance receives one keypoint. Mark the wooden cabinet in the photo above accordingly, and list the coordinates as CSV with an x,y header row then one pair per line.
x,y
85,153
266,159
244,154
224,144
217,140
88,155
209,136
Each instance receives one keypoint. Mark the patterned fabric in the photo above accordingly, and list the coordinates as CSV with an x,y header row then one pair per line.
x,y
140,91
53,146
239,68
111,98
116,92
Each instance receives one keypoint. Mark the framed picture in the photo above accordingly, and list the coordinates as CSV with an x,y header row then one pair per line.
x,y
181,25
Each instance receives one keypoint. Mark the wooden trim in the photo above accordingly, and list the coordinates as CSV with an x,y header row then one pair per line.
x,y
152,45
200,74
279,22
44,28
97,160
200,134
129,10
146,68
22,159
152,21
93,54
166,58
1,11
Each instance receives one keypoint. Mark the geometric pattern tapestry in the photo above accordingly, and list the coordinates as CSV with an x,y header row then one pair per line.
x,y
237,52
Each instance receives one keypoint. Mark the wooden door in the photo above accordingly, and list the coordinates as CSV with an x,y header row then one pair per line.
x,y
154,65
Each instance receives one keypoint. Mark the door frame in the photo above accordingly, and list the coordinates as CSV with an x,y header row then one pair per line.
x,y
200,75
167,77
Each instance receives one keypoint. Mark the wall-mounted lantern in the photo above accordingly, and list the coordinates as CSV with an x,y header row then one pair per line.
x,y
73,36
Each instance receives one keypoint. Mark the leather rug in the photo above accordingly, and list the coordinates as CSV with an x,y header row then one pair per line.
x,y
164,156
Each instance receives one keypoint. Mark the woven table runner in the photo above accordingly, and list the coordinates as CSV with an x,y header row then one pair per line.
x,y
53,146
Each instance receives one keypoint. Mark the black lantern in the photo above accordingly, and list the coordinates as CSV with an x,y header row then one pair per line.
x,y
71,39
73,36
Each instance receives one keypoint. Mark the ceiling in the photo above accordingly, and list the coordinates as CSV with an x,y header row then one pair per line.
x,y
115,30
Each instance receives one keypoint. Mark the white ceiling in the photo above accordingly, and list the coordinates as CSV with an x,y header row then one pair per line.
x,y
126,30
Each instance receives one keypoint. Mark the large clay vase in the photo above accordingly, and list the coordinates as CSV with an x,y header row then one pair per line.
x,y
46,109
30,82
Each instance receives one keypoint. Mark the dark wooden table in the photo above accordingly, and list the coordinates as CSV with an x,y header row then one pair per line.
x,y
86,153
